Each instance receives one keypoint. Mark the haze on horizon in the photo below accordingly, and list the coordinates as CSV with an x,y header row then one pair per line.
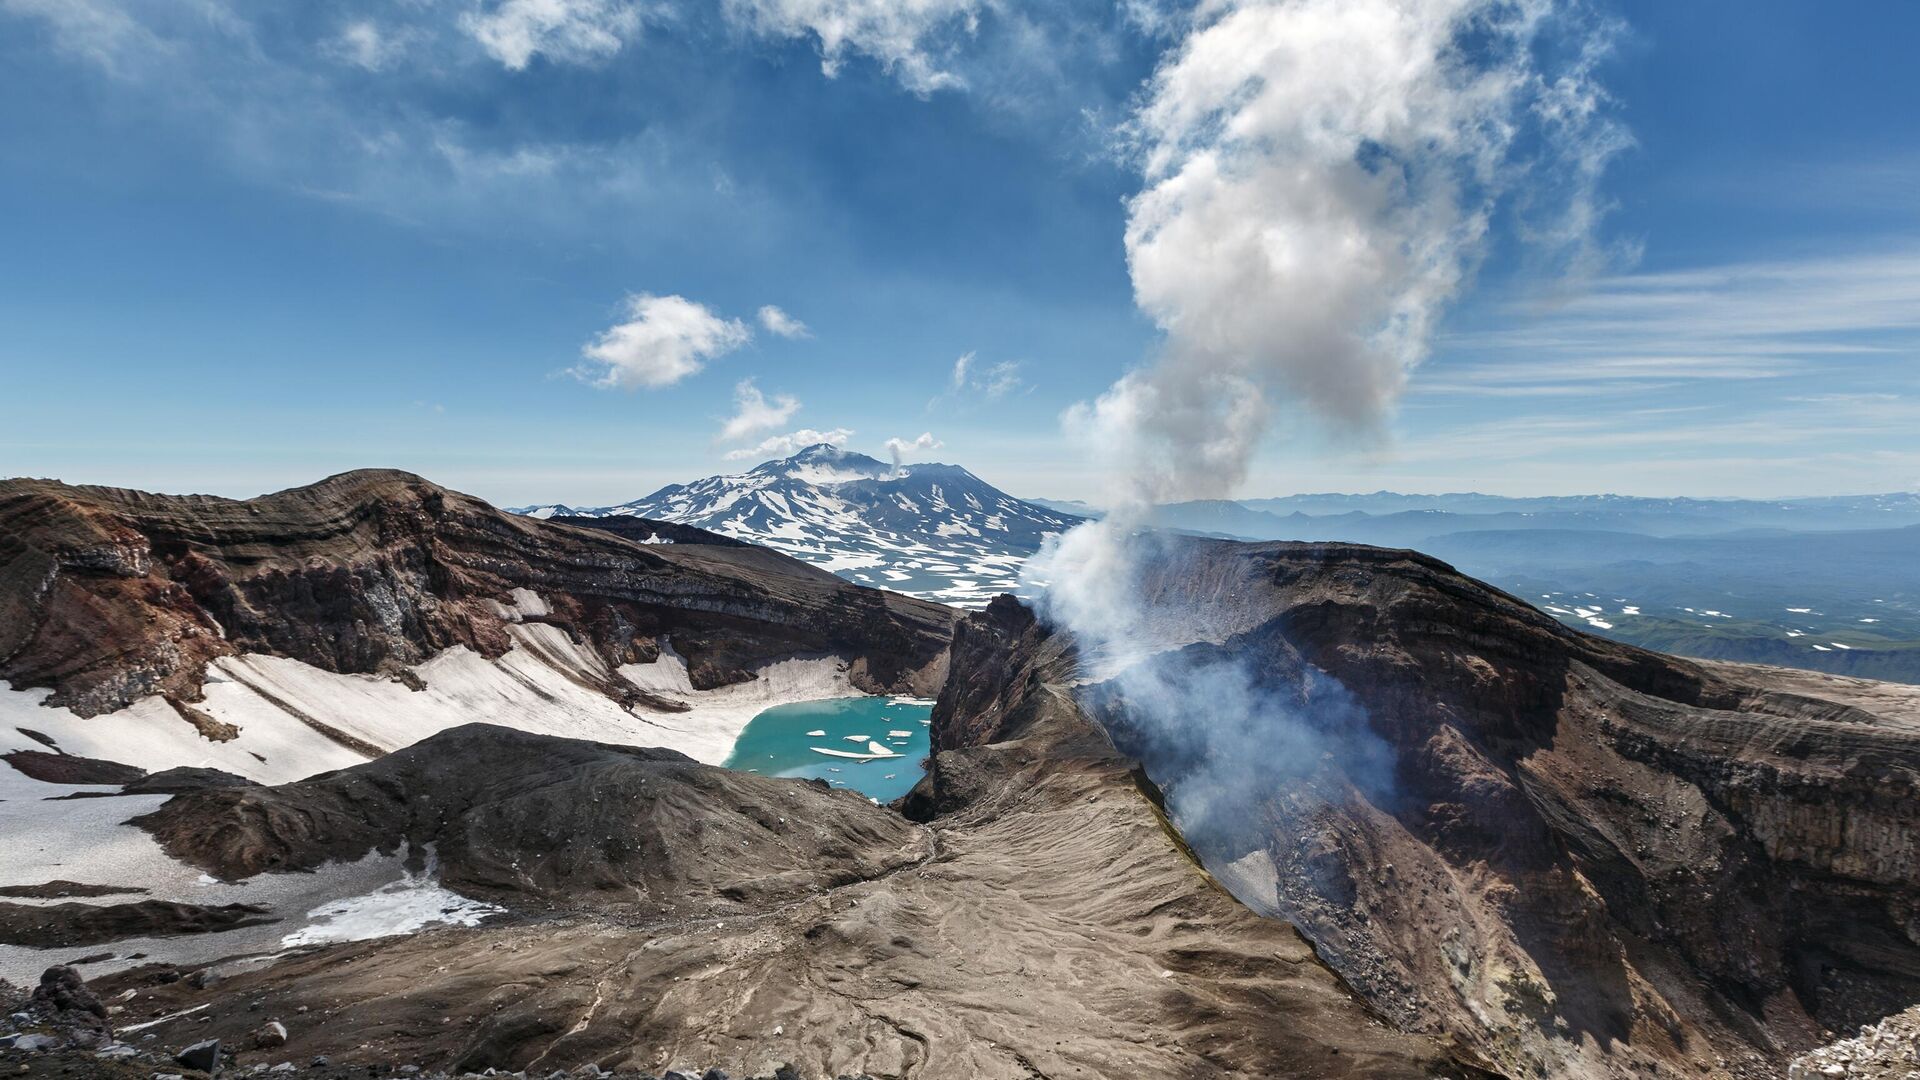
x,y
258,247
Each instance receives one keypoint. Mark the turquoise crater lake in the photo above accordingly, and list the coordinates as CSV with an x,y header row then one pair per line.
x,y
786,740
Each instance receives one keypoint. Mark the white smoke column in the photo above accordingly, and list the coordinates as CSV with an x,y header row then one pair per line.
x,y
1319,180
1320,175
899,448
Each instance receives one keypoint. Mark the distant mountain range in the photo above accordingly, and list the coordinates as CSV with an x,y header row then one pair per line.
x,y
1392,519
1678,514
934,531
1831,584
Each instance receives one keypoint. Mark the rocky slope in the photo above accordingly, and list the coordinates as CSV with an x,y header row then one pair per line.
x,y
653,833
1512,849
930,530
1576,857
1049,925
1887,1050
649,910
108,596
48,925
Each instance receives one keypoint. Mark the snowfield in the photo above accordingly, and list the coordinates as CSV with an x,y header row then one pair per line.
x,y
51,836
293,721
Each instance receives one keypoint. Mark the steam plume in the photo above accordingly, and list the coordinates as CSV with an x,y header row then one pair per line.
x,y
1319,180
899,448
1320,176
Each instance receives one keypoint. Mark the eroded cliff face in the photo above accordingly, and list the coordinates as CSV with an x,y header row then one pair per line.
x,y
1578,858
108,595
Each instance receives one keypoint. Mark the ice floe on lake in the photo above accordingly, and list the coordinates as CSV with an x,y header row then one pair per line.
x,y
874,750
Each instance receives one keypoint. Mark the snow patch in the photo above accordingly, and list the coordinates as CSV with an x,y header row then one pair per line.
x,y
407,906
296,720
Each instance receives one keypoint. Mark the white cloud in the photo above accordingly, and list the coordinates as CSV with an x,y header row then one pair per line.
x,y
363,43
992,381
782,324
903,35
578,31
924,441
1153,18
665,339
783,445
101,31
753,413
1320,176
900,448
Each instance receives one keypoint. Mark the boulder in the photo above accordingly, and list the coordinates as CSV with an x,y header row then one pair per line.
x,y
63,993
204,1056
203,978
63,1002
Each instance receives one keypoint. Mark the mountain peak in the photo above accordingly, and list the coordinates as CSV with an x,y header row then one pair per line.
x,y
824,464
823,451
932,530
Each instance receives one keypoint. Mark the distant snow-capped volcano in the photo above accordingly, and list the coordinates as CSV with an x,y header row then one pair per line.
x,y
935,531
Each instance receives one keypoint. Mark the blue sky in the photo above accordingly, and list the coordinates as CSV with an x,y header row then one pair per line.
x,y
249,245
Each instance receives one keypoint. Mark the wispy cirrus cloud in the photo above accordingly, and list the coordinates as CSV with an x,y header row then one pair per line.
x,y
906,37
1755,445
1745,321
575,31
102,32
368,45
289,98
991,381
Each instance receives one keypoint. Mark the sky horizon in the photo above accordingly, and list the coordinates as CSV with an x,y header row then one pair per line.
x,y
577,250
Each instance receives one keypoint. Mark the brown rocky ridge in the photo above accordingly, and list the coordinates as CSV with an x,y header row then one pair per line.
x,y
646,831
108,595
1574,856
44,925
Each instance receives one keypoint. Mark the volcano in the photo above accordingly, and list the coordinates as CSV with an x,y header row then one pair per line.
x,y
930,530
1577,857
1518,850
